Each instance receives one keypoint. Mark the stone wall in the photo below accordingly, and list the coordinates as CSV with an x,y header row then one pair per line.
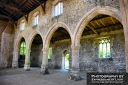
x,y
36,55
74,10
7,42
0,50
3,25
57,53
90,62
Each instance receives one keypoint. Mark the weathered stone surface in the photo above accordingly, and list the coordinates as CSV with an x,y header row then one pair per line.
x,y
58,49
7,42
36,55
74,12
90,62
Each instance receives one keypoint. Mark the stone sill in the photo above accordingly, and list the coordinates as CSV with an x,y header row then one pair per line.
x,y
34,27
104,59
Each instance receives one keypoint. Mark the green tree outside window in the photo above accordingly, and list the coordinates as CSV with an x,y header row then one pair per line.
x,y
23,48
104,48
50,53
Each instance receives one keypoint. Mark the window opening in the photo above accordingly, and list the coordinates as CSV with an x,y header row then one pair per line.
x,y
22,25
23,48
58,9
67,61
50,53
35,20
104,48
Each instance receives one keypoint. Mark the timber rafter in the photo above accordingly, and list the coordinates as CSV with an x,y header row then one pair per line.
x,y
15,9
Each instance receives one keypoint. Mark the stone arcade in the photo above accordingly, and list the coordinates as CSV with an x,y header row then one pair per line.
x,y
94,34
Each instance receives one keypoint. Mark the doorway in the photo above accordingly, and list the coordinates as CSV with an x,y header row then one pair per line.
x,y
21,60
65,60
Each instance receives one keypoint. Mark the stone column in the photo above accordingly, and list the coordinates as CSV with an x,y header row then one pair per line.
x,y
3,62
15,59
44,66
27,60
74,74
6,47
124,16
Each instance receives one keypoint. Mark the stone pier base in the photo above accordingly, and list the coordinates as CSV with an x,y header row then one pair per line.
x,y
26,67
15,65
44,69
74,74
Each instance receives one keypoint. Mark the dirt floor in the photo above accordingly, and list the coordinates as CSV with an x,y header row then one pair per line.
x,y
33,77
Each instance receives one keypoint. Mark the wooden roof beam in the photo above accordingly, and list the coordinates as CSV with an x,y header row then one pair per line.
x,y
112,20
112,25
92,28
4,12
7,17
24,1
26,17
19,6
99,18
42,5
102,22
11,7
92,24
97,23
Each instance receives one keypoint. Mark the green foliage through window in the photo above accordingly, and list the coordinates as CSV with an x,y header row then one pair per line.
x,y
23,48
67,57
50,53
67,61
104,48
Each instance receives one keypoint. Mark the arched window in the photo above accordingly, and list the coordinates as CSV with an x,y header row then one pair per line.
x,y
22,25
23,48
57,9
91,0
50,53
104,48
65,59
35,20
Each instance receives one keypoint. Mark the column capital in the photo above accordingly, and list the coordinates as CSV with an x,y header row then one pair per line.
x,y
16,49
28,49
45,49
15,52
125,1
74,47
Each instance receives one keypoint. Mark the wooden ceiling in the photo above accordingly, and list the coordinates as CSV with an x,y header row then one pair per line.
x,y
37,40
98,25
15,9
60,34
102,23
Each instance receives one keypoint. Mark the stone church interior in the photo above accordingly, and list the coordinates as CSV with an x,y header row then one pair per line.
x,y
72,35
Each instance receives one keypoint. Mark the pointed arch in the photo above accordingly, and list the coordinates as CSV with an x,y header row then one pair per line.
x,y
17,43
64,52
17,50
89,16
52,31
31,38
65,59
